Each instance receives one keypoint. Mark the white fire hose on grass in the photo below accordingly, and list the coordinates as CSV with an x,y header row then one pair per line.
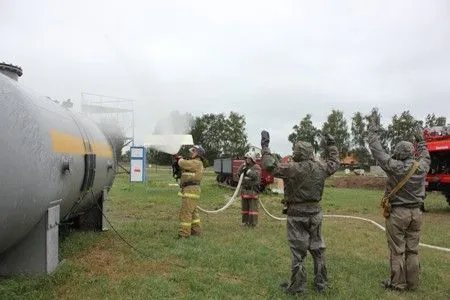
x,y
236,192
357,218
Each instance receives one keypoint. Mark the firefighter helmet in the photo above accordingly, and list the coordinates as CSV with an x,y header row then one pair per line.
x,y
199,149
251,155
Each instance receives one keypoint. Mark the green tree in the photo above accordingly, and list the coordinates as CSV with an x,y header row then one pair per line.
x,y
359,134
235,137
431,121
336,125
305,131
220,135
402,128
358,130
208,131
363,155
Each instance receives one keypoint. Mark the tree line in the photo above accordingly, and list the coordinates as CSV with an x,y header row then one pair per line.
x,y
225,135
219,134
351,140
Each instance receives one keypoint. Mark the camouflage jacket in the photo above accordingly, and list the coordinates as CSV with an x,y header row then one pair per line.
x,y
250,182
413,192
303,181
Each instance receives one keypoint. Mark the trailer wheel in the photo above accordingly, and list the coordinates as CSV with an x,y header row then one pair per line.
x,y
221,178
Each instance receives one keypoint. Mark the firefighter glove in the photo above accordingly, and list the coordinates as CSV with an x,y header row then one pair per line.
x,y
373,126
265,139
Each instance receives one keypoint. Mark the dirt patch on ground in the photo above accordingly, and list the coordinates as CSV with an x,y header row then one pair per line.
x,y
105,259
363,182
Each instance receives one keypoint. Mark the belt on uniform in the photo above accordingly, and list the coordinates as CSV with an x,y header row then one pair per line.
x,y
297,213
414,205
297,209
303,202
189,183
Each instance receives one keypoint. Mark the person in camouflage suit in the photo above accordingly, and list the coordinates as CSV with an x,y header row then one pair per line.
x,y
404,223
249,190
191,176
304,180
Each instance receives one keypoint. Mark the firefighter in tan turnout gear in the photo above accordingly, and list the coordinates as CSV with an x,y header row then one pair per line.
x,y
304,180
249,190
191,176
403,208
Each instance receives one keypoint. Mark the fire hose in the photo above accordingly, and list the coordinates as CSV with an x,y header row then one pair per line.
x,y
236,191
357,218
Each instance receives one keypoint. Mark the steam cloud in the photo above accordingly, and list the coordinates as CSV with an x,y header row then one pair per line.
x,y
172,127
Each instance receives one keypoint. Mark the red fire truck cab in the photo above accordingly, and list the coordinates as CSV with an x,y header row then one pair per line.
x,y
438,144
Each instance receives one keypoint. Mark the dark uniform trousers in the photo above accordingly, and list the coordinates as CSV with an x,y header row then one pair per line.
x,y
304,234
402,232
249,210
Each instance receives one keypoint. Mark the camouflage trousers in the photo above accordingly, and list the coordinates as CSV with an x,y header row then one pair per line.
x,y
304,234
402,232
249,211
189,216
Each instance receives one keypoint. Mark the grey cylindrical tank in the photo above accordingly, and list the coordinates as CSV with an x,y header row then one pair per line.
x,y
48,153
11,71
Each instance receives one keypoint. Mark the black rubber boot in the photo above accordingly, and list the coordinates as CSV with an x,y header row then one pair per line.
x,y
284,286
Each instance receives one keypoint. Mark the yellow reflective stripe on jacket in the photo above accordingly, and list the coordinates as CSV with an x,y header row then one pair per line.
x,y
189,195
195,221
185,224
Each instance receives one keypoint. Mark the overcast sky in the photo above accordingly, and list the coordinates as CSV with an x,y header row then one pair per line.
x,y
273,61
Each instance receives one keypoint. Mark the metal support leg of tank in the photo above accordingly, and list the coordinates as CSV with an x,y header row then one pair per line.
x,y
37,252
103,206
93,218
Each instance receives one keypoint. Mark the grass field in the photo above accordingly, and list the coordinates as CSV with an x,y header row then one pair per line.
x,y
227,261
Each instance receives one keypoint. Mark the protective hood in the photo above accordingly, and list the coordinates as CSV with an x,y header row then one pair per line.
x,y
303,151
403,150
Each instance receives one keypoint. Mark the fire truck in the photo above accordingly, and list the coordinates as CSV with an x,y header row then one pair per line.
x,y
227,172
438,144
